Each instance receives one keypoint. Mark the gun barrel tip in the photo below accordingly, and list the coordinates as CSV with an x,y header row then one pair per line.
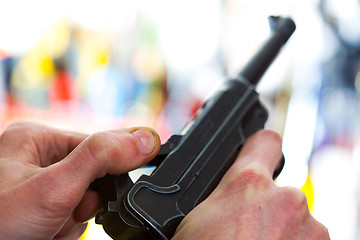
x,y
285,25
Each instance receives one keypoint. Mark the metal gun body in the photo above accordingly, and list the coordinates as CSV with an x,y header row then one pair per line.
x,y
191,165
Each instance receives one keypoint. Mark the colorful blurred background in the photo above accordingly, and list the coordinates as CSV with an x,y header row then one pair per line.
x,y
96,65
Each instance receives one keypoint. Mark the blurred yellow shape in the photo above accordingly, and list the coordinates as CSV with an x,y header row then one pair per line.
x,y
85,234
34,70
47,65
308,189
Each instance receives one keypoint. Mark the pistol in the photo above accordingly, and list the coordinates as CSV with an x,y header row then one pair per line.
x,y
189,166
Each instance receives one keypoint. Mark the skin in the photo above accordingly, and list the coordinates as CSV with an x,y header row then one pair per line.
x,y
45,175
248,205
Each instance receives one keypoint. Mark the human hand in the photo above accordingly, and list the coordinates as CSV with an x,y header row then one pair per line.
x,y
45,174
248,205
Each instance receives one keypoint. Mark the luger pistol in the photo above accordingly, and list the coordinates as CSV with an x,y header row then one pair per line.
x,y
190,165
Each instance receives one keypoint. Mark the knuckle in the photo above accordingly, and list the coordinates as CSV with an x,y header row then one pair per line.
x,y
17,129
251,177
98,145
274,136
107,145
19,125
97,138
16,134
13,128
316,230
294,199
322,233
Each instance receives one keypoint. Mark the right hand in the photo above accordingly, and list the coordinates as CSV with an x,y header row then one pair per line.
x,y
248,205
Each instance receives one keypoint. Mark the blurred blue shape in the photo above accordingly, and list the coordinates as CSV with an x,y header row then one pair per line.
x,y
107,92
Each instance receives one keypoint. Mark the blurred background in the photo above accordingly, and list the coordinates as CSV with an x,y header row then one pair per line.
x,y
96,65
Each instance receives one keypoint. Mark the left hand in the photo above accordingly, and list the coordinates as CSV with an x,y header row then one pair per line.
x,y
45,174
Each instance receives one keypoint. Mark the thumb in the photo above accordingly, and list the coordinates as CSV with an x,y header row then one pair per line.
x,y
112,152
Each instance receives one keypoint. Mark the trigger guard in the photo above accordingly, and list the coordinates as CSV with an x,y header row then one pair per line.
x,y
116,220
120,185
279,167
123,184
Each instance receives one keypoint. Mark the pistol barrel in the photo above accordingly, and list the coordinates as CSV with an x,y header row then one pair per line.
x,y
282,29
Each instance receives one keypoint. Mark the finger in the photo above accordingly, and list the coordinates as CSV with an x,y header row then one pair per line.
x,y
38,144
112,152
71,229
88,207
315,230
253,168
262,150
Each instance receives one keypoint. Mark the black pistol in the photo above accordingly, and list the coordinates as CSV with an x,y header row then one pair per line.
x,y
190,165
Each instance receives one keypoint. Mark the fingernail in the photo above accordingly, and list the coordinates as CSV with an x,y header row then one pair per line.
x,y
145,139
